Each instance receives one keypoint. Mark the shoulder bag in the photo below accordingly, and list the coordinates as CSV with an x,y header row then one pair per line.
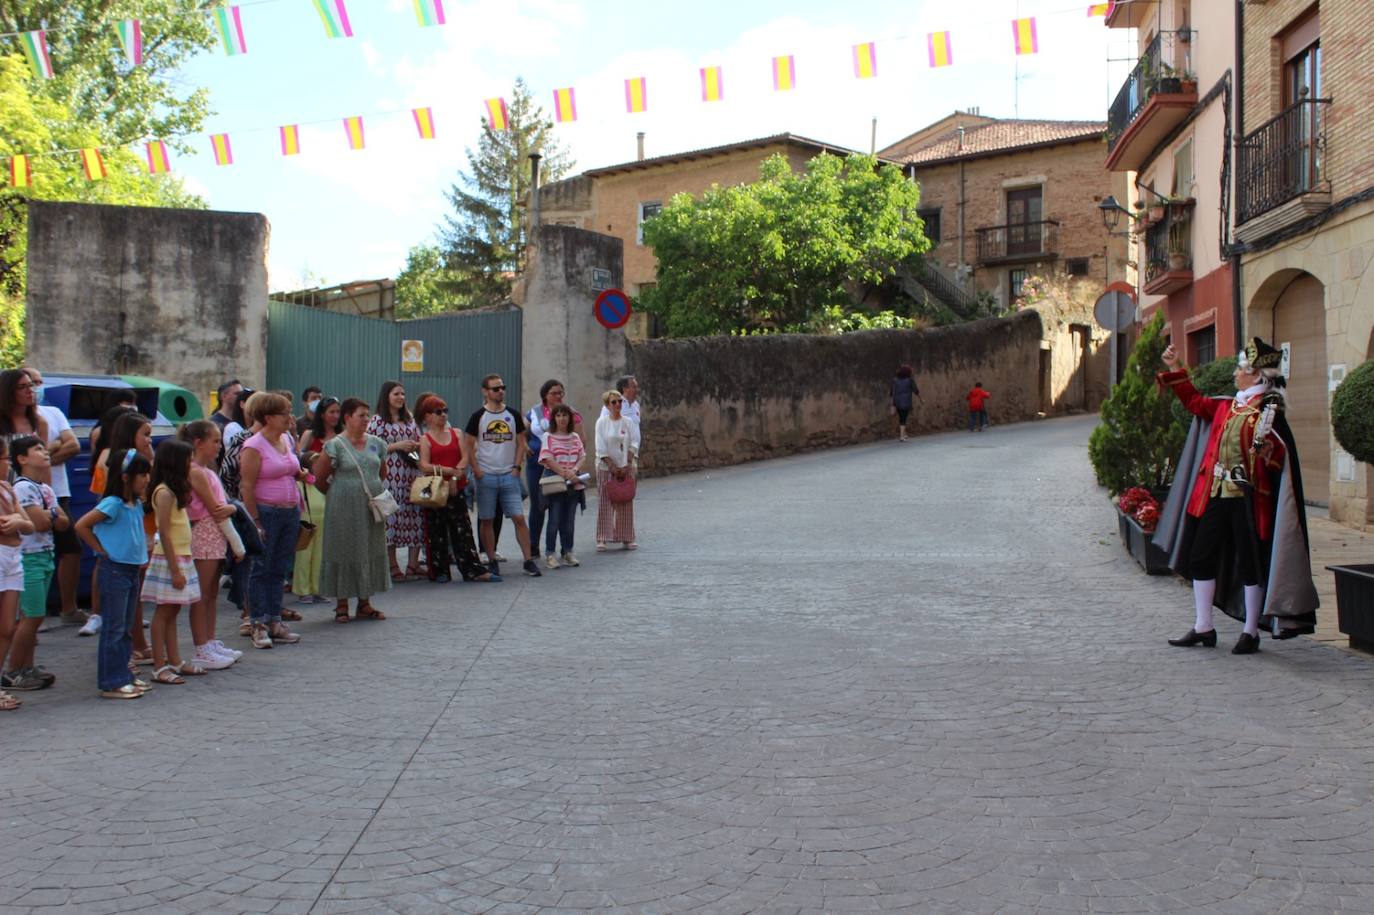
x,y
383,505
551,484
621,491
429,491
307,532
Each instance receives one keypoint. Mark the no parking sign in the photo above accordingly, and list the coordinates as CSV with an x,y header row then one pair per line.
x,y
612,309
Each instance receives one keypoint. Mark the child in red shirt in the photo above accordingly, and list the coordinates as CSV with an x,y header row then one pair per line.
x,y
977,414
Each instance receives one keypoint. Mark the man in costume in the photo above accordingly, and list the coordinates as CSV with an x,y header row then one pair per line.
x,y
1234,521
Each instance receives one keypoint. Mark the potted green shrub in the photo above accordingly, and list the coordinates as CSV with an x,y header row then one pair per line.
x,y
1352,420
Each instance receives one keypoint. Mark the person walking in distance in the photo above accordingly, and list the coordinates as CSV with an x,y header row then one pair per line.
x,y
977,407
900,393
495,438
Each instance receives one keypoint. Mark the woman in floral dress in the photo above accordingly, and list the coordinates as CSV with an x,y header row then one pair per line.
x,y
394,425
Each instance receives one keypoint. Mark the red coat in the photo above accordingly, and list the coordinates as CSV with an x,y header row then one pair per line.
x,y
1217,410
976,398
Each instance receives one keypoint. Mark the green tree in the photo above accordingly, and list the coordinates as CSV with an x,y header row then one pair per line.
x,y
1139,440
426,287
483,239
783,251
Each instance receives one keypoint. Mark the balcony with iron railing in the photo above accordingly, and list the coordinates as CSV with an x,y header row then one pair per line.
x,y
1169,250
1018,242
1281,171
1155,98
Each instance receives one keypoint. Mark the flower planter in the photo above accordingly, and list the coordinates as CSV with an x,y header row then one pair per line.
x,y
1156,215
1139,543
1355,604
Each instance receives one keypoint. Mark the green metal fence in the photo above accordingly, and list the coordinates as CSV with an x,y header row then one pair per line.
x,y
350,356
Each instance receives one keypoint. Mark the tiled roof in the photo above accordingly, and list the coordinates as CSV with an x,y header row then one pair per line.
x,y
789,139
998,137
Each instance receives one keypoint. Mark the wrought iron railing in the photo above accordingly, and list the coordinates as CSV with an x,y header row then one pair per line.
x,y
1169,243
1134,93
1282,159
944,288
1017,240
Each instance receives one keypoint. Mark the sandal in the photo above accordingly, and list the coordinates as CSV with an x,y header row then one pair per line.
x,y
167,675
8,703
369,612
341,614
415,573
292,615
142,658
396,574
601,546
187,669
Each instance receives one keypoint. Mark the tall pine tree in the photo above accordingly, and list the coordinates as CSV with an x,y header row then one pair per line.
x,y
483,239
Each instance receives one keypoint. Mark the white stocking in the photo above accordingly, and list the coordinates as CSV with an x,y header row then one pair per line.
x,y
1254,603
1203,592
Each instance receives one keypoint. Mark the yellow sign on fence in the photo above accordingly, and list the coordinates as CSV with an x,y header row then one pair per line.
x,y
412,355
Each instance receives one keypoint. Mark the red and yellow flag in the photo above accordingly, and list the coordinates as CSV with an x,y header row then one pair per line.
x,y
1101,9
21,171
224,153
92,164
865,60
498,118
290,139
564,106
941,49
424,122
158,163
712,84
784,73
636,95
353,128
1025,37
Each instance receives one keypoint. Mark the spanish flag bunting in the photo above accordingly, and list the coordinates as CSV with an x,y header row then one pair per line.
x,y
21,171
498,118
429,12
35,45
564,106
224,153
131,40
1023,31
1101,9
92,164
290,140
784,73
229,24
865,61
424,122
712,84
636,95
158,163
353,128
334,15
941,49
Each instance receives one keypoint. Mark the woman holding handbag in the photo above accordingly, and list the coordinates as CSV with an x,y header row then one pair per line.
x,y
448,527
352,471
617,457
561,458
394,425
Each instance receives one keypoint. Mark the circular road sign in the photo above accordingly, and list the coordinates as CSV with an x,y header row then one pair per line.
x,y
612,309
1114,310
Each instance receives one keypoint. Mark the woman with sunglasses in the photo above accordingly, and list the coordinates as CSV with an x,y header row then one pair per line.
x,y
448,529
617,458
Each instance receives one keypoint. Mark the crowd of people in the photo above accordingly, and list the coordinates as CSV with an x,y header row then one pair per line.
x,y
318,507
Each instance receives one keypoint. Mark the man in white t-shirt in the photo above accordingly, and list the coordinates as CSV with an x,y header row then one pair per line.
x,y
62,447
494,438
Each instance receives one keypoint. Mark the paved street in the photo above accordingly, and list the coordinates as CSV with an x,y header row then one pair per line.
x,y
919,677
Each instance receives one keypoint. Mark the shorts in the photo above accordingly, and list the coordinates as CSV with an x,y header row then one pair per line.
x,y
157,584
11,569
65,543
499,491
207,540
33,603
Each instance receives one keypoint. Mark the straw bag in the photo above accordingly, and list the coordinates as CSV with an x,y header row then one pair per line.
x,y
429,492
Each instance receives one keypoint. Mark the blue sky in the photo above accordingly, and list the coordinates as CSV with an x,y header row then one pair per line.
x,y
339,214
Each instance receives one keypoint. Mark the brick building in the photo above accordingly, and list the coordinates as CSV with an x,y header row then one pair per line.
x,y
1004,200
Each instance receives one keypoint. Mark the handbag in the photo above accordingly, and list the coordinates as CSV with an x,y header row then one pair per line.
x,y
429,492
621,491
307,531
552,484
383,505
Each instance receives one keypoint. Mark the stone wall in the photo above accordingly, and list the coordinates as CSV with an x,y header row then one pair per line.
x,y
714,401
174,294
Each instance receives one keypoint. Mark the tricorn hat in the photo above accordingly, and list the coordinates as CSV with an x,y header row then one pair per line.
x,y
1259,356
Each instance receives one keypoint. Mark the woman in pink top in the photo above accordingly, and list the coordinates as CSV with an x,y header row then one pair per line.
x,y
207,508
270,472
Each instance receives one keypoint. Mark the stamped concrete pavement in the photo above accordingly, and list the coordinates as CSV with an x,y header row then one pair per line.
x,y
918,677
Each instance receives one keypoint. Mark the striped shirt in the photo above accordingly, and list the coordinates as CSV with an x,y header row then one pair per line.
x,y
564,449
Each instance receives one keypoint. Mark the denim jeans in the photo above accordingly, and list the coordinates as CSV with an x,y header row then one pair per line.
x,y
562,509
538,506
118,585
977,418
281,527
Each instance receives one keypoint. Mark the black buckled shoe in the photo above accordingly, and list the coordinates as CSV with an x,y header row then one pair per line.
x,y
1206,639
1247,644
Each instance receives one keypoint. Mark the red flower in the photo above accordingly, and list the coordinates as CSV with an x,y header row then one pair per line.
x,y
1133,498
1147,515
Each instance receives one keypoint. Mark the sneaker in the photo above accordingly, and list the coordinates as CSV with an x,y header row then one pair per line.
x,y
223,649
75,618
4,680
570,560
245,628
92,626
305,598
206,658
498,557
551,561
281,635
532,569
260,637
26,679
48,678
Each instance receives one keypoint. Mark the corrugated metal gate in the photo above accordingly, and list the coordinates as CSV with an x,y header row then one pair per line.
x,y
350,356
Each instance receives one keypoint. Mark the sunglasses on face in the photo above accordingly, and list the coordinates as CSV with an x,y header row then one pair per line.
x,y
443,411
614,402
498,387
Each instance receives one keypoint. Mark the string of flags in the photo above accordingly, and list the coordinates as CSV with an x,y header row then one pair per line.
x,y
228,23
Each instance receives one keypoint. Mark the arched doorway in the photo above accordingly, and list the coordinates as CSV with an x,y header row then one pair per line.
x,y
1290,308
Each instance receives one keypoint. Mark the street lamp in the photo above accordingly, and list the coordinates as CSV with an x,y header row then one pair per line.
x,y
1111,213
